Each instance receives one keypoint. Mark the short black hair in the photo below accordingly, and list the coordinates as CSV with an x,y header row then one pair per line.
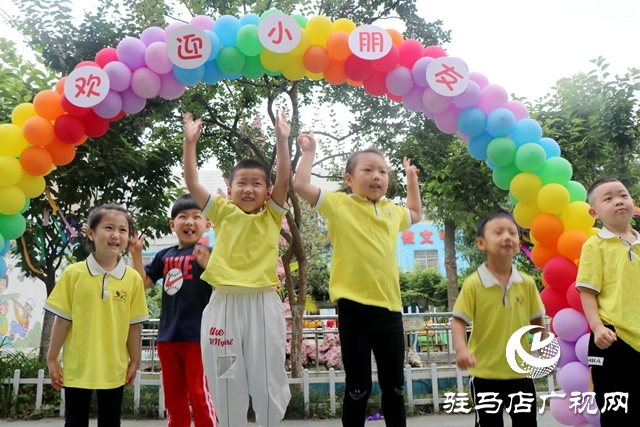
x,y
95,217
497,215
250,164
183,203
597,183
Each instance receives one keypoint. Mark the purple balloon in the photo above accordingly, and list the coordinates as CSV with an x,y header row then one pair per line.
x,y
157,59
593,419
170,87
562,411
170,28
202,21
447,121
110,106
574,376
567,352
132,103
419,71
518,109
130,51
145,83
429,114
479,78
469,98
152,35
400,81
493,96
119,76
582,348
435,102
413,100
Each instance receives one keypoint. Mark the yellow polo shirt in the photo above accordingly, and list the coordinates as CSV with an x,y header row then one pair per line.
x,y
247,245
364,234
495,313
611,267
100,306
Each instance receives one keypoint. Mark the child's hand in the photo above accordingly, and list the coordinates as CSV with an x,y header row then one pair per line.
x,y
410,169
55,374
306,141
192,129
136,244
604,337
131,373
283,128
465,359
202,254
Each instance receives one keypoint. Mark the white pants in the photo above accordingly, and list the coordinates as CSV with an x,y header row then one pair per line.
x,y
243,352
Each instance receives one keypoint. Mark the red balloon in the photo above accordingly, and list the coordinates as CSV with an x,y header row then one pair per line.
x,y
553,300
94,125
356,68
560,272
68,129
72,109
387,62
410,51
118,117
573,298
106,55
434,52
86,64
376,83
397,98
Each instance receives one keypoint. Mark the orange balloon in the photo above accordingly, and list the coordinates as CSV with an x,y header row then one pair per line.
x,y
338,45
60,85
546,228
353,83
570,244
316,59
47,104
38,131
334,74
61,153
541,254
82,141
35,161
396,37
544,282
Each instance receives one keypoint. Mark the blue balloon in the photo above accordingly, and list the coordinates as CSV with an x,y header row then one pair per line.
x,y
233,77
3,267
6,244
500,122
491,165
477,146
212,73
215,44
226,27
526,130
188,77
250,18
472,122
551,147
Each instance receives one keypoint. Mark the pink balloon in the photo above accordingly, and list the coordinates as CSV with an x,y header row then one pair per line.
x,y
518,109
110,106
562,411
429,114
447,121
434,52
119,76
170,87
132,103
152,35
202,21
410,51
157,59
399,81
413,100
582,348
130,51
479,78
435,102
170,29
493,96
387,62
463,137
469,98
419,71
570,324
574,376
145,83
567,353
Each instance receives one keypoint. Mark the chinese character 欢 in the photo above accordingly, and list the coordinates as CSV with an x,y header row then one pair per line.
x,y
616,400
490,402
544,398
407,237
449,76
82,83
371,41
279,29
524,402
426,237
190,47
456,402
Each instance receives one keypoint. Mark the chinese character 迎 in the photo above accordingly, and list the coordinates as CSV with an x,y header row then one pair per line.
x,y
192,45
491,402
524,402
426,237
616,400
456,402
82,83
449,76
551,395
369,41
279,29
407,237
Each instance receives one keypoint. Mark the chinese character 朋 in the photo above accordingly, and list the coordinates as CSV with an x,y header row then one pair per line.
x,y
190,47
449,76
82,83
371,41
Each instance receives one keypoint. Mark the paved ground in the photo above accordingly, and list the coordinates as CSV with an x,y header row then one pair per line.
x,y
545,420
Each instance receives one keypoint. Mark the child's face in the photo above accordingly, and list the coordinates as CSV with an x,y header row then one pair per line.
x,y
111,235
612,205
3,285
249,189
189,225
500,239
370,177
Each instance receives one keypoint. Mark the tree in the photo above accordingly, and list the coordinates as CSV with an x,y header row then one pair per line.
x,y
424,286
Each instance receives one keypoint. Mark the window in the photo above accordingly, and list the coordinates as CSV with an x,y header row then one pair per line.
x,y
426,258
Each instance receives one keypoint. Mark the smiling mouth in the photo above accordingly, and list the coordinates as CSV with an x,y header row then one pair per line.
x,y
189,233
116,245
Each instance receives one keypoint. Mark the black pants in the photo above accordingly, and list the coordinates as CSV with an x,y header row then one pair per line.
x,y
78,400
616,369
521,414
364,328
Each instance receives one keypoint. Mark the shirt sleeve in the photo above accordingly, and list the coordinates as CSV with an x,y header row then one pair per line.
x,y
276,211
590,267
536,306
217,208
404,216
155,269
329,203
139,311
60,300
465,306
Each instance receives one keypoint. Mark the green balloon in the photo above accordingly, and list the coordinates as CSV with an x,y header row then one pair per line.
x,y
274,73
12,226
301,20
530,157
502,175
253,68
269,12
513,199
248,41
577,192
556,170
501,151
27,203
230,60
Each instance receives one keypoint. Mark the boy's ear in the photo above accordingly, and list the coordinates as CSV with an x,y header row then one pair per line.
x,y
172,225
229,193
208,225
348,179
269,191
480,243
593,213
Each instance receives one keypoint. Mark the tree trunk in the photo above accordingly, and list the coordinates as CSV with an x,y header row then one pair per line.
x,y
297,311
45,338
450,263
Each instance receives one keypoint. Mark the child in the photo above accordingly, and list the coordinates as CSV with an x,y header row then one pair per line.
x,y
4,304
498,299
363,228
608,276
99,304
243,327
183,300
20,326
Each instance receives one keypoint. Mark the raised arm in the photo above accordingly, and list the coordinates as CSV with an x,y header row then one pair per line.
x,y
135,249
283,162
302,180
414,200
192,131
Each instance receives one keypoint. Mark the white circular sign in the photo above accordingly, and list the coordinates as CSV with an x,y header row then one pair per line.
x,y
188,46
86,86
173,281
279,33
370,42
549,349
448,76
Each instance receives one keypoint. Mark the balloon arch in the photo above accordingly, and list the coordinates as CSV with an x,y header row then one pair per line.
x,y
163,62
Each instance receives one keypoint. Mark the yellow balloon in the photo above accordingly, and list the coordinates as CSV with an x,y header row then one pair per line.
x,y
31,186
21,113
273,61
294,68
315,76
525,186
10,171
344,24
592,231
12,141
576,216
533,239
525,212
13,200
553,198
303,45
319,29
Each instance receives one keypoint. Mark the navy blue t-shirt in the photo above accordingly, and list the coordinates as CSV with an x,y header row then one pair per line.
x,y
184,294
